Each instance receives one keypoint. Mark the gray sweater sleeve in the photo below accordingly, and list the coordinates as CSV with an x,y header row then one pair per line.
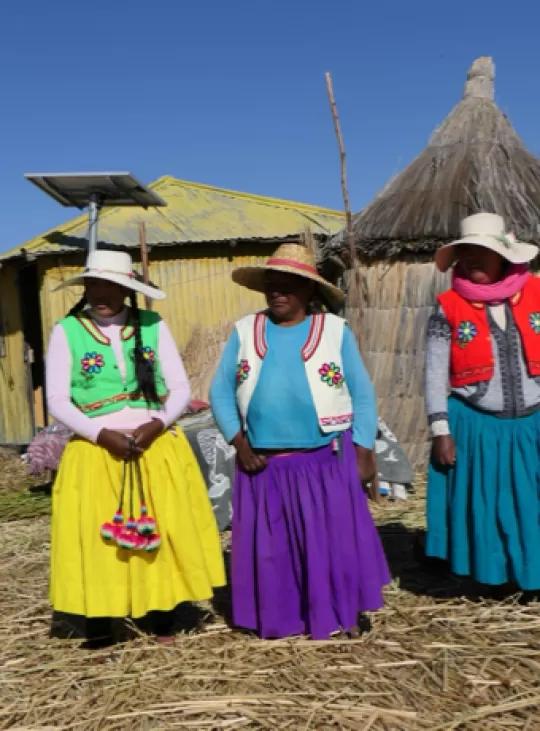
x,y
436,383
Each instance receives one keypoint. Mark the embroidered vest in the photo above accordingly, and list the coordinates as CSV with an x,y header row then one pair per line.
x,y
97,386
321,354
471,351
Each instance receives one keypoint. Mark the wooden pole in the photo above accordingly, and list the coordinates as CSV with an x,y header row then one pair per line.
x,y
354,294
144,260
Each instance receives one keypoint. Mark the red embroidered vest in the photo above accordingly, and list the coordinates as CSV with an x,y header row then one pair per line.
x,y
471,353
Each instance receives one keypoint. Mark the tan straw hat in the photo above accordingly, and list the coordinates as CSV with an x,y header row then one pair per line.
x,y
291,259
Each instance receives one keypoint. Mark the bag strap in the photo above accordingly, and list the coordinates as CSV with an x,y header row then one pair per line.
x,y
140,484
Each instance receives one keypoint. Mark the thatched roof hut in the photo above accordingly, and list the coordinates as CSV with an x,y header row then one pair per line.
x,y
475,161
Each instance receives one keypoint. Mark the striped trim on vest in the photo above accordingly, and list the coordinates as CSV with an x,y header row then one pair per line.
x,y
93,329
309,347
314,337
259,334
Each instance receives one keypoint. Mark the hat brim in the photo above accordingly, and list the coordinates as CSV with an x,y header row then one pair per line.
x,y
254,278
121,279
518,253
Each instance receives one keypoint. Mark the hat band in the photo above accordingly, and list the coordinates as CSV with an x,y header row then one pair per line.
x,y
294,264
109,271
491,235
506,239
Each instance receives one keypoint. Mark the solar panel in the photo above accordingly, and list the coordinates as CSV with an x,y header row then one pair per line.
x,y
95,190
76,190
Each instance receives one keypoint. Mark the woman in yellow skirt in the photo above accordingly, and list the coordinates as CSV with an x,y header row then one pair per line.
x,y
133,531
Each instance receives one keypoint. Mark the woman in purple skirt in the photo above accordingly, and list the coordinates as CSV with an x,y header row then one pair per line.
x,y
291,393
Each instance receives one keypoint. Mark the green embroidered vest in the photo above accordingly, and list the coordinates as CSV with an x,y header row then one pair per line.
x,y
97,386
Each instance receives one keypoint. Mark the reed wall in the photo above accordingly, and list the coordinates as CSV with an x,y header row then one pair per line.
x,y
398,298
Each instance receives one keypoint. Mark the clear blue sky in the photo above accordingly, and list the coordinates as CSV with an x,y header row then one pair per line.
x,y
233,93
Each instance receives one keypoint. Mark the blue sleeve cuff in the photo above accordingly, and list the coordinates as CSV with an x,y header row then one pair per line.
x,y
229,431
361,438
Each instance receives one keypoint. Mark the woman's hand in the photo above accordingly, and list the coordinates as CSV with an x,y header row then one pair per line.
x,y
443,451
117,444
249,461
367,464
146,434
373,489
367,468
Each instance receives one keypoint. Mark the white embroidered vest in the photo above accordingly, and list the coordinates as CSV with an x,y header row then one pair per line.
x,y
322,358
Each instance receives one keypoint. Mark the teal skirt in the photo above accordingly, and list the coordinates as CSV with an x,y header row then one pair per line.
x,y
483,515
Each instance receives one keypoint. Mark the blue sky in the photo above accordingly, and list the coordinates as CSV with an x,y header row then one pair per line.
x,y
233,94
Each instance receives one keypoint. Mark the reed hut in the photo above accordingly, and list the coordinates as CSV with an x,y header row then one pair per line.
x,y
474,162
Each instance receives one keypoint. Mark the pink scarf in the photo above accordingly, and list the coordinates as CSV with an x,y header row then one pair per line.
x,y
496,293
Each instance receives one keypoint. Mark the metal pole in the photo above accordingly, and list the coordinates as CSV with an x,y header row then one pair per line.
x,y
93,216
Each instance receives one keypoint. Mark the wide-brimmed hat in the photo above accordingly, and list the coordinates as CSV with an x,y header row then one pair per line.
x,y
114,266
486,230
290,259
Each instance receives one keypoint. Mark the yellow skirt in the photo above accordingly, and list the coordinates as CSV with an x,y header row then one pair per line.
x,y
93,578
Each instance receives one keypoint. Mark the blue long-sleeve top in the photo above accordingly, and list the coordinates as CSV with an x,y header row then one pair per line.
x,y
281,413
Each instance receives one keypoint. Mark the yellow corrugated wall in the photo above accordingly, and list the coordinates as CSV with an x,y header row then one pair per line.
x,y
15,410
199,288
54,305
201,293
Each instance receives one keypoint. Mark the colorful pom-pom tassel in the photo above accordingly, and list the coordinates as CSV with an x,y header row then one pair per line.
x,y
146,525
140,542
126,538
133,535
153,542
109,530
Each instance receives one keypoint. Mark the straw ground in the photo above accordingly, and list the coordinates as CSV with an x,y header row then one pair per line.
x,y
434,658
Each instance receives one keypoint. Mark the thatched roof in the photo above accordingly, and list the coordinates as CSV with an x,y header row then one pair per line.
x,y
475,161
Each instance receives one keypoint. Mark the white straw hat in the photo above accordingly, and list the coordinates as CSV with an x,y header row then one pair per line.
x,y
486,230
291,259
113,266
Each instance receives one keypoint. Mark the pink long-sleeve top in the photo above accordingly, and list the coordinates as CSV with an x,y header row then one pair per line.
x,y
58,378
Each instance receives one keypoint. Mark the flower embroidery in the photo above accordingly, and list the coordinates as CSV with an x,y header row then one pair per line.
x,y
149,354
534,322
92,363
466,333
331,375
242,371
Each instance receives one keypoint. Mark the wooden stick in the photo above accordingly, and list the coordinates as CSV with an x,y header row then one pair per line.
x,y
144,260
355,290
343,158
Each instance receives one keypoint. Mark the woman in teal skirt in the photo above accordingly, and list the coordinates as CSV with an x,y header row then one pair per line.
x,y
482,395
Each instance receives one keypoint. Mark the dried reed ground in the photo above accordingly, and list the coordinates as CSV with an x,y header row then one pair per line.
x,y
431,661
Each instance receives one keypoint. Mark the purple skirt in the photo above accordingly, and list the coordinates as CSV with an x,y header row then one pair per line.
x,y
306,556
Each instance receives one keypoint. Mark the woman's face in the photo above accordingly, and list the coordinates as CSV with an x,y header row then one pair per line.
x,y
480,265
287,295
106,299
